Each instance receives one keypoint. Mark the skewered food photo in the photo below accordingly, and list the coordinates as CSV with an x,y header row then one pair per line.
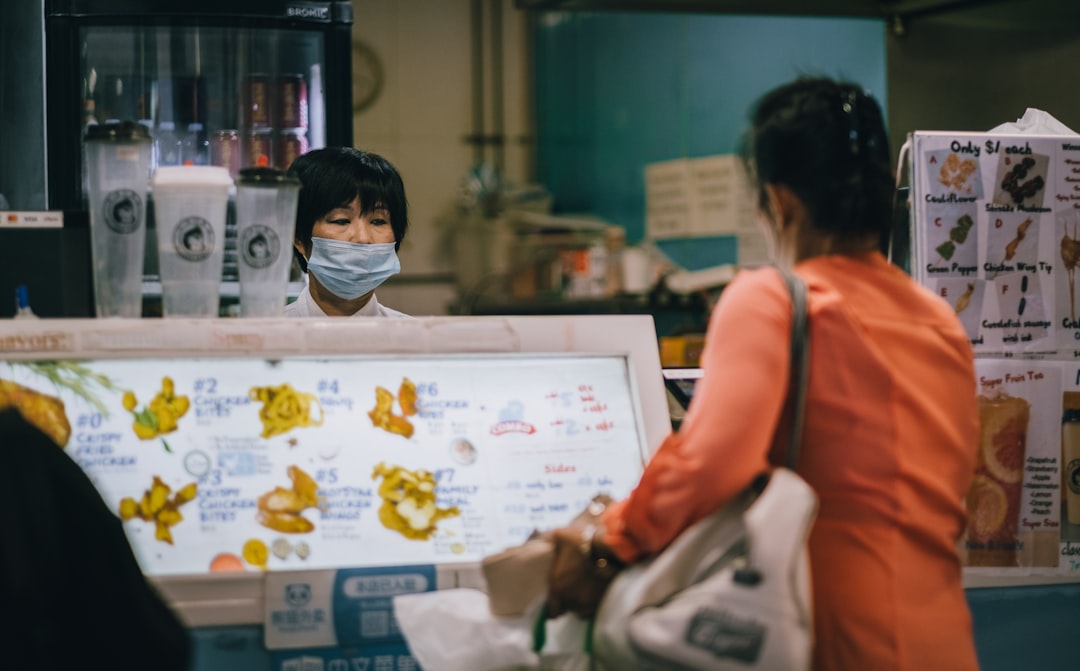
x,y
953,240
1021,180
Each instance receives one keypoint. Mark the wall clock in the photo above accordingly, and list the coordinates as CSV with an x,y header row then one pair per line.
x,y
367,76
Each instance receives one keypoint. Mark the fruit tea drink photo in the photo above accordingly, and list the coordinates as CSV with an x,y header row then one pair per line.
x,y
1014,499
994,497
190,204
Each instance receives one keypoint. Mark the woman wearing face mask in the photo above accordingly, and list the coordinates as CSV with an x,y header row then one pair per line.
x,y
350,220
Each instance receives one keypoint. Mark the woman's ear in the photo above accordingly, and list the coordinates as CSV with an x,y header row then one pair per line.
x,y
299,247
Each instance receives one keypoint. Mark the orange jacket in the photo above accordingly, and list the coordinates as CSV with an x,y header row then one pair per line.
x,y
889,446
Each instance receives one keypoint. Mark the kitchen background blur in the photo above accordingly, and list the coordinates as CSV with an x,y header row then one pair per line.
x,y
584,94
577,98
529,132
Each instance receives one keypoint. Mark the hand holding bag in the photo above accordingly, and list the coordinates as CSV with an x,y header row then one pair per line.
x,y
517,576
733,590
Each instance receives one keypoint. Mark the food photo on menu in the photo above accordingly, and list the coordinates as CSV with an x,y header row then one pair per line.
x,y
1021,179
1067,230
965,295
955,172
1012,243
1022,309
953,240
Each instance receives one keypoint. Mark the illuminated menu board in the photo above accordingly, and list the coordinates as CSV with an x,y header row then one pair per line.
x,y
302,463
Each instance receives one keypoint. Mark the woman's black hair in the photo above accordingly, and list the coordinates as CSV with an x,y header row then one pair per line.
x,y
826,141
332,177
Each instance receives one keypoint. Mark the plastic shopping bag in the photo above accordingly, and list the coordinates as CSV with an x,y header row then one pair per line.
x,y
1034,122
454,630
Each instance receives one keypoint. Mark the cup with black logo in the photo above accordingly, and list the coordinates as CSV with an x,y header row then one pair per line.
x,y
190,205
117,165
265,222
1070,460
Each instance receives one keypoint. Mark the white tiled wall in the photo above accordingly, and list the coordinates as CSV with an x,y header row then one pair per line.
x,y
420,120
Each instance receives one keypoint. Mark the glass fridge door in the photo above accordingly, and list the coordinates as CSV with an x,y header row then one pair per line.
x,y
226,96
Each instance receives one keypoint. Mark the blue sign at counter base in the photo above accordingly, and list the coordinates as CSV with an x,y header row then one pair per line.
x,y
364,602
387,658
324,610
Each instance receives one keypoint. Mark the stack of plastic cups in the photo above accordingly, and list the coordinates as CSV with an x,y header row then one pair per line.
x,y
190,204
265,223
117,165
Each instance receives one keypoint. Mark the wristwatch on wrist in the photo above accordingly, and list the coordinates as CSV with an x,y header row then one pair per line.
x,y
603,561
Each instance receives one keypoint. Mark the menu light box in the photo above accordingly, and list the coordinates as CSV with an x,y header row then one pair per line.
x,y
307,463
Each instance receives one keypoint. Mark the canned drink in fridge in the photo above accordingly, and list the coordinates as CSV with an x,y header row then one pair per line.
x,y
257,149
225,151
256,99
292,101
291,145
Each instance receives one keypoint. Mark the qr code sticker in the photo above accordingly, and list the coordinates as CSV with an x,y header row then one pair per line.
x,y
375,623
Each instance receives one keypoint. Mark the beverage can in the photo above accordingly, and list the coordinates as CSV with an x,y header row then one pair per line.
x,y
258,148
256,98
225,151
291,145
292,101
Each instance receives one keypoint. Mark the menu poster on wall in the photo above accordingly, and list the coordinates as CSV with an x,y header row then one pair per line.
x,y
308,463
997,229
996,225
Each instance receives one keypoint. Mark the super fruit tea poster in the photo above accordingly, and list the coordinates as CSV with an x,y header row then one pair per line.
x,y
1014,503
217,465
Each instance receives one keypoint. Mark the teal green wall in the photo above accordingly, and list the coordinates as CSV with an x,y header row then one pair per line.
x,y
616,91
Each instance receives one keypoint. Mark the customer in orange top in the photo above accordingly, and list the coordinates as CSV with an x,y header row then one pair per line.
x,y
890,437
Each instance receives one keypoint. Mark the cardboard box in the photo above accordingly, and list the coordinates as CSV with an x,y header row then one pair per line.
x,y
683,351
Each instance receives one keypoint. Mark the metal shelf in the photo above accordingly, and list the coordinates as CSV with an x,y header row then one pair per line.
x,y
229,289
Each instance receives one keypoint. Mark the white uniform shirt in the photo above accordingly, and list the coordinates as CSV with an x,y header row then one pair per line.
x,y
305,306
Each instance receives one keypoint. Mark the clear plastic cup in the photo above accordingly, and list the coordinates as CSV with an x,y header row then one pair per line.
x,y
117,165
1070,458
265,224
190,204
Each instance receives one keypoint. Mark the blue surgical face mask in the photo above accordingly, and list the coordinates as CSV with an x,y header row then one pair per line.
x,y
351,269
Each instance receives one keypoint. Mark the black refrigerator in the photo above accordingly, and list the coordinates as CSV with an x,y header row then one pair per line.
x,y
225,82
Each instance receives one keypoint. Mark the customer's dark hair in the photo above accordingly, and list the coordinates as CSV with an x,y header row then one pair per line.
x,y
333,176
826,141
